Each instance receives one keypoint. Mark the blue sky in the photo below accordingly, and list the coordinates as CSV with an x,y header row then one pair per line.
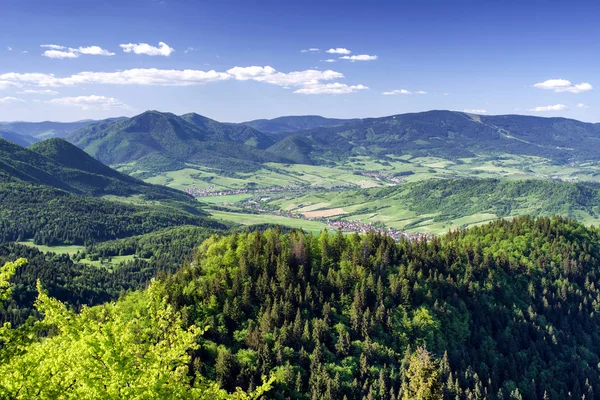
x,y
242,60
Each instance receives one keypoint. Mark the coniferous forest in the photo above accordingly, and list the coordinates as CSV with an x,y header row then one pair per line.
x,y
299,200
507,310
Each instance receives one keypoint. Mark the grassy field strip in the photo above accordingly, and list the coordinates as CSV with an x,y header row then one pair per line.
x,y
54,249
71,250
256,219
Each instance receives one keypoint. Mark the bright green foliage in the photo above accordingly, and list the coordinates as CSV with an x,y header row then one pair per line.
x,y
136,348
6,272
506,306
422,377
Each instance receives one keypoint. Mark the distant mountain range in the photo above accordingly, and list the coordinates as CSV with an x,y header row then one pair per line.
x,y
44,130
295,123
155,141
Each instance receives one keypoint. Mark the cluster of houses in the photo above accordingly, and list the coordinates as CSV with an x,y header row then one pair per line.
x,y
361,227
344,225
380,176
213,191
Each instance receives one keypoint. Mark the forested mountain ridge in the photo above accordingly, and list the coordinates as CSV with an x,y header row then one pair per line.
x,y
508,310
57,163
455,135
166,141
49,193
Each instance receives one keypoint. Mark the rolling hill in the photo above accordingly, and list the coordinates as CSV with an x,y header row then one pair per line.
x,y
57,163
455,135
54,193
163,141
153,142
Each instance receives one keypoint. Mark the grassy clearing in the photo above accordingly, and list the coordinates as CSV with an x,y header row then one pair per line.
x,y
53,249
108,264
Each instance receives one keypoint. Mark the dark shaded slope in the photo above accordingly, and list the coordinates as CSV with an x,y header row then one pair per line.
x,y
17,138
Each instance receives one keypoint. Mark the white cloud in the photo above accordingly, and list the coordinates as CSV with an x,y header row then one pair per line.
x,y
190,49
312,49
5,100
403,91
271,75
556,107
329,60
39,91
163,49
581,105
53,46
89,102
311,80
9,48
330,88
94,51
339,50
361,57
475,111
60,54
563,85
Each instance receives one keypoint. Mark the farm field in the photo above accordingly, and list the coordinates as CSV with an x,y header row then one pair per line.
x,y
257,219
368,172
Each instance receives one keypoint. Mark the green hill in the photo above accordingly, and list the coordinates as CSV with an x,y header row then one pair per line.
x,y
46,194
217,131
503,311
174,140
57,163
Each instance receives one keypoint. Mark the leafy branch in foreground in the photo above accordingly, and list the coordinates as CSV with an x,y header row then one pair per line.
x,y
136,348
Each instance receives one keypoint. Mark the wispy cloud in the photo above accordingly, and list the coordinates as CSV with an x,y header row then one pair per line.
x,y
310,50
311,79
563,85
361,57
60,52
475,111
403,91
329,60
89,102
330,88
581,105
339,50
556,107
190,49
53,46
9,48
39,91
6,100
163,49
